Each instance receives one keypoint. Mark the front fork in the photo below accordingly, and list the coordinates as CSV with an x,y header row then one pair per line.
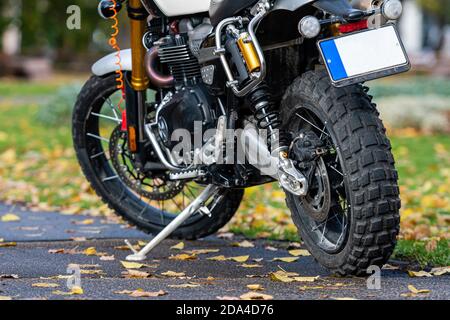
x,y
137,83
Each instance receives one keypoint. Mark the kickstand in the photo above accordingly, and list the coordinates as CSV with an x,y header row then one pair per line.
x,y
197,204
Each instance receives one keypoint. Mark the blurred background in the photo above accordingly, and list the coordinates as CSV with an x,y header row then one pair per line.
x,y
43,65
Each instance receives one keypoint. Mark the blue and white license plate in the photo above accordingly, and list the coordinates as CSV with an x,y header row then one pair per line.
x,y
364,56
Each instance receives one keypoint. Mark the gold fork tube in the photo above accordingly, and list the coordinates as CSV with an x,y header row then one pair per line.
x,y
139,78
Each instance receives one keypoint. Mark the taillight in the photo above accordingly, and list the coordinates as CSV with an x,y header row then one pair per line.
x,y
354,26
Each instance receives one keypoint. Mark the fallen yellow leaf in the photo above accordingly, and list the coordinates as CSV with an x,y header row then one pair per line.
x,y
299,253
85,222
131,265
90,251
417,291
281,276
136,274
286,259
203,251
440,271
229,298
305,279
185,285
243,244
255,287
10,217
256,296
217,258
5,298
239,259
7,244
183,257
139,293
179,246
173,274
73,291
244,265
45,285
413,274
107,258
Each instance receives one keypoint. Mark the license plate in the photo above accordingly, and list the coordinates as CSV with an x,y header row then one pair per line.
x,y
364,56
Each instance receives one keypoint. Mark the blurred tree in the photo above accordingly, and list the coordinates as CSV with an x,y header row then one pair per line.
x,y
5,18
44,28
440,10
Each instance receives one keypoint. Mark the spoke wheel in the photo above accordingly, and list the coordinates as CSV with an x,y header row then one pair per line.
x,y
149,200
325,206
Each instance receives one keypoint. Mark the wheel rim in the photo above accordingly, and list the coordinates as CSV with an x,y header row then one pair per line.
x,y
102,122
330,233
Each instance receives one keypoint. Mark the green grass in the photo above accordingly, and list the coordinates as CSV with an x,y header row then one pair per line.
x,y
20,89
44,172
410,86
415,251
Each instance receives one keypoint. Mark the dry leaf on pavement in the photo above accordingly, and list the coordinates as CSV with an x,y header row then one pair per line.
x,y
131,265
414,290
185,285
91,251
202,251
256,296
229,298
255,287
9,276
217,258
107,258
139,293
183,257
243,244
173,274
9,217
419,274
7,244
135,274
286,259
73,291
440,271
299,253
45,285
239,259
179,246
244,265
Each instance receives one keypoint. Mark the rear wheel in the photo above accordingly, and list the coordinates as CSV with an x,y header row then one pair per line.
x,y
350,218
151,200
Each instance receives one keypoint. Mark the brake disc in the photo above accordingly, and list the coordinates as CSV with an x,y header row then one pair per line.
x,y
317,201
158,188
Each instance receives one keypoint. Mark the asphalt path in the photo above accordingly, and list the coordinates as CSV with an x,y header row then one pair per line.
x,y
29,261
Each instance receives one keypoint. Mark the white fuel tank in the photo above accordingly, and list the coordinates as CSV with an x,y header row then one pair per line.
x,y
172,8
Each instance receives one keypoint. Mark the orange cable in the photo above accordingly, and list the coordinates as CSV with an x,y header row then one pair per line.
x,y
113,43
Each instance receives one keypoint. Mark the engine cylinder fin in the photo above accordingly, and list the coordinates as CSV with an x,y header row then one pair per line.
x,y
183,65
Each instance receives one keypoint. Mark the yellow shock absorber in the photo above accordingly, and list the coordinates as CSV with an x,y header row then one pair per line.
x,y
249,53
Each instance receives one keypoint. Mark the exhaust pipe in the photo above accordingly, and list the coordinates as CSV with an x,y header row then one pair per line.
x,y
157,78
257,153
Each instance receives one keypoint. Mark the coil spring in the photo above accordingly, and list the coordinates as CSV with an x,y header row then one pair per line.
x,y
266,113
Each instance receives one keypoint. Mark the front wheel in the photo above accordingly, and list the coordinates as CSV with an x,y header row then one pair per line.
x,y
350,218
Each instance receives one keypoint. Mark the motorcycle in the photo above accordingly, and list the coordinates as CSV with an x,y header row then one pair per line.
x,y
278,84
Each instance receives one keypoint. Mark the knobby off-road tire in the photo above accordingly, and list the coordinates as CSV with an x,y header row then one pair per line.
x,y
368,168
117,195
